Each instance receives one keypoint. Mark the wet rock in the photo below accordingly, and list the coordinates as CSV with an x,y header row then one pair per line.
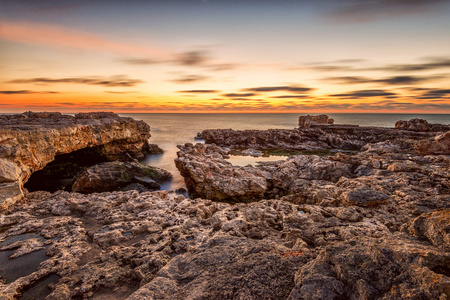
x,y
111,176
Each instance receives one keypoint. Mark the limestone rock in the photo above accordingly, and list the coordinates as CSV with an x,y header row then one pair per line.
x,y
307,121
364,197
438,145
31,140
111,176
420,125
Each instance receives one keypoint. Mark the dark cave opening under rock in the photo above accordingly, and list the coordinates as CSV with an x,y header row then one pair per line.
x,y
60,173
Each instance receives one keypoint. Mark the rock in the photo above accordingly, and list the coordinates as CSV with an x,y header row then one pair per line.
x,y
154,149
438,145
307,121
364,197
252,152
420,125
433,226
318,137
9,172
31,140
211,177
111,176
165,246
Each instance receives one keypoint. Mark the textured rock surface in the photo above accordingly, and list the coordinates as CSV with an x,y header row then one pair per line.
x,y
307,121
126,245
420,125
365,179
110,176
319,136
32,140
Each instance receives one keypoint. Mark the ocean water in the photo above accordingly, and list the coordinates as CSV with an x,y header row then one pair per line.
x,y
172,129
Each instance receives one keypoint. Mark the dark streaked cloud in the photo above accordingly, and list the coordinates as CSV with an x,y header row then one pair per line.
x,y
192,58
114,81
234,95
198,91
292,89
395,80
117,92
190,78
27,92
365,94
436,94
290,97
432,63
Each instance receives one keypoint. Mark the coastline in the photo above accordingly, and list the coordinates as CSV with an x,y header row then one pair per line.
x,y
371,224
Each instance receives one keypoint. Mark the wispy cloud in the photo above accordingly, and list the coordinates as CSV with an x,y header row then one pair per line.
x,y
199,91
361,94
189,78
113,81
27,92
234,95
59,37
293,89
395,80
436,94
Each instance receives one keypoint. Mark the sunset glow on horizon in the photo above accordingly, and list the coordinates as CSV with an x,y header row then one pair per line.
x,y
298,56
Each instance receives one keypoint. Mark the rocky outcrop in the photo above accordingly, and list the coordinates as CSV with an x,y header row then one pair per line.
x,y
29,141
111,176
154,245
308,121
420,125
438,145
362,179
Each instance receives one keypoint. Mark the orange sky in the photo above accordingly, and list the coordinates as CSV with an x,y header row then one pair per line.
x,y
225,56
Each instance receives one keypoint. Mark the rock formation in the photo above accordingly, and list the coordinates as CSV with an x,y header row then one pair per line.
x,y
29,141
110,176
367,225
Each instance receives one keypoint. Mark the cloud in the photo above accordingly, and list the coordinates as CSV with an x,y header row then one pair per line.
x,y
290,96
189,78
234,95
430,64
192,58
114,81
140,61
293,89
114,92
370,10
395,80
26,92
436,94
59,37
365,94
198,91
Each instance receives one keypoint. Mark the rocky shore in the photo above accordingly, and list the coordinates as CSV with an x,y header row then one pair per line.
x,y
373,223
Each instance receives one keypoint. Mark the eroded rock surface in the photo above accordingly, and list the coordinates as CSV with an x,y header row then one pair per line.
x,y
29,141
110,176
152,245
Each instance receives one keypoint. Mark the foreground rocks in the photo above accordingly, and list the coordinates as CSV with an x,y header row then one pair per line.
x,y
126,245
29,141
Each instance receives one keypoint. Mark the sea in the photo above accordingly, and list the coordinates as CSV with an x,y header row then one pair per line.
x,y
171,129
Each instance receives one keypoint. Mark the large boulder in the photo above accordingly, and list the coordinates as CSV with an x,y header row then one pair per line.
x,y
110,176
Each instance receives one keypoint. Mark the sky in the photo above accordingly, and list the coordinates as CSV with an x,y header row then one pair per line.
x,y
280,56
